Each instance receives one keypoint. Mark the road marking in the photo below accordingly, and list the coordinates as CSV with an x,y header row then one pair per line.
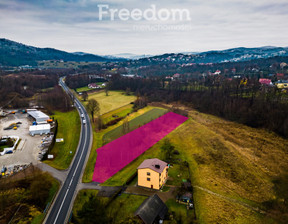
x,y
85,141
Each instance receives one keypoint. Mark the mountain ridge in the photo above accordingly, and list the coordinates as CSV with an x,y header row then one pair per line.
x,y
16,54
13,53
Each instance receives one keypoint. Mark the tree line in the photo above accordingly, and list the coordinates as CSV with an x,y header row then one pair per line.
x,y
22,85
241,100
25,195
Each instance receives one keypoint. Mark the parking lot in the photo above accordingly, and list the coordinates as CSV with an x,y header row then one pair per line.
x,y
28,148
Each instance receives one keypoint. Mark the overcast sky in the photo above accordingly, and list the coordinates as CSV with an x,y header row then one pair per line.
x,y
75,25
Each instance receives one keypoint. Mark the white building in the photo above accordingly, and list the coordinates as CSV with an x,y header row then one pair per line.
x,y
39,129
39,116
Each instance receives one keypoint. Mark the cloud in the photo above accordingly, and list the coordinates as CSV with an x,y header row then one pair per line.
x,y
74,25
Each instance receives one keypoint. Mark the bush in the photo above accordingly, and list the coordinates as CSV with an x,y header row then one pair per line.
x,y
114,121
176,152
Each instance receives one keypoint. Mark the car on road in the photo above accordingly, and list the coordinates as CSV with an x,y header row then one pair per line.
x,y
84,121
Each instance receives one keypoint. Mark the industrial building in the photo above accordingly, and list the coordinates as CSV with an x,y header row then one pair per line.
x,y
39,116
39,129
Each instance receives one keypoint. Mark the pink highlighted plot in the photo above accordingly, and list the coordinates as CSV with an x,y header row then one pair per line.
x,y
115,155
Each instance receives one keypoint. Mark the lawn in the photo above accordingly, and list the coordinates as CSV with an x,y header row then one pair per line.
x,y
68,122
134,124
124,206
180,212
177,173
85,88
82,89
114,100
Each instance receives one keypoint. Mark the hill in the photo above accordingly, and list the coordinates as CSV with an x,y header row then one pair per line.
x,y
231,55
16,54
235,170
238,173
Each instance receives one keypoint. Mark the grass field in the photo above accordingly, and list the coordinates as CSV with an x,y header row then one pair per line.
x,y
123,175
81,198
232,160
176,175
82,89
180,213
125,205
85,88
120,112
122,208
68,123
114,100
98,142
134,124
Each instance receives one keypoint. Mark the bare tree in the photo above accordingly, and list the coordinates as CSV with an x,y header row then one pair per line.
x,y
107,89
125,126
99,122
93,108
85,96
128,91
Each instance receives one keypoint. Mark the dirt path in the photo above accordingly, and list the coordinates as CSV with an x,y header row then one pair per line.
x,y
256,209
148,192
91,186
58,174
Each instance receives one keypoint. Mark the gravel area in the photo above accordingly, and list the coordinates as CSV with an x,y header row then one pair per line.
x,y
28,149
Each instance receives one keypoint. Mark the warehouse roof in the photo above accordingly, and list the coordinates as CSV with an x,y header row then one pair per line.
x,y
39,127
38,114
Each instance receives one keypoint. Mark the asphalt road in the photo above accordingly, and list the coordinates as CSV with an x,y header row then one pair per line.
x,y
60,209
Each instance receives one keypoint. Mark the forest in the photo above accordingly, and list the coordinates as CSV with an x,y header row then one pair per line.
x,y
18,89
24,196
241,100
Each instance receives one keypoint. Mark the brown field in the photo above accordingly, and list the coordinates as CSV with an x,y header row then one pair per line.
x,y
234,161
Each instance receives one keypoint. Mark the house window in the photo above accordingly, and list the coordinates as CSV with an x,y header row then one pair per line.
x,y
148,179
148,173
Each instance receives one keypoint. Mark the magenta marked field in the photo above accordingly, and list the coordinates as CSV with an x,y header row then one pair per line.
x,y
115,155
